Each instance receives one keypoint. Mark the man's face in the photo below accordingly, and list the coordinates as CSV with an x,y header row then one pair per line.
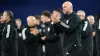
x,y
18,23
80,14
31,21
66,8
57,14
43,18
5,16
91,20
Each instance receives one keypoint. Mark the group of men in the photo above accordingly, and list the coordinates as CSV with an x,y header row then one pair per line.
x,y
50,34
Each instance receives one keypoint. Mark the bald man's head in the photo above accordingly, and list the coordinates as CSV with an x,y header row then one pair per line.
x,y
91,19
67,7
30,20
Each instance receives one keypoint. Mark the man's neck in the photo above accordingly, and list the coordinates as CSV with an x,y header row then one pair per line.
x,y
70,12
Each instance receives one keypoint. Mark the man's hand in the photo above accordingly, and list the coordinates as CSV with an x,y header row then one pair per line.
x,y
43,38
93,33
34,31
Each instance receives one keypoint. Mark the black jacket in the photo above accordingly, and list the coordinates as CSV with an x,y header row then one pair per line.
x,y
31,42
86,34
97,25
71,26
21,47
1,32
10,39
53,41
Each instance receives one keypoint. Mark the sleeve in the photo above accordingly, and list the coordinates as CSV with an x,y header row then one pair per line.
x,y
71,26
86,30
11,33
52,35
11,36
8,31
29,37
94,28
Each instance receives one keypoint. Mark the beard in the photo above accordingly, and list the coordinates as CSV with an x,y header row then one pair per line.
x,y
65,12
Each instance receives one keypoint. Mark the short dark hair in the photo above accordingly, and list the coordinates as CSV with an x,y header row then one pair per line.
x,y
46,13
58,10
37,17
9,13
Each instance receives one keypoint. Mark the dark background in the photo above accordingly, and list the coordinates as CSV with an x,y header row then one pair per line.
x,y
23,8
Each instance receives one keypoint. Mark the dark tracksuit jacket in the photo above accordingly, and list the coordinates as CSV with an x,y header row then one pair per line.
x,y
94,41
21,47
10,39
31,42
71,26
1,32
87,38
53,46
97,23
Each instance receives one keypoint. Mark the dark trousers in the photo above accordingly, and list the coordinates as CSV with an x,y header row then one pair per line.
x,y
86,52
21,48
98,43
94,47
1,51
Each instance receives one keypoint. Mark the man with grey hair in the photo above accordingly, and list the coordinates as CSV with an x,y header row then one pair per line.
x,y
92,22
21,50
70,25
86,35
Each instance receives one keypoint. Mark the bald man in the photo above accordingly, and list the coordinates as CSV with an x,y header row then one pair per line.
x,y
70,26
30,36
86,35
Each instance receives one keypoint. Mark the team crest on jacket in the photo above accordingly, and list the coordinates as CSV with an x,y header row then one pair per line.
x,y
48,29
67,21
20,34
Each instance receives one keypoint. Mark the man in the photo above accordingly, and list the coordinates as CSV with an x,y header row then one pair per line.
x,y
45,19
9,35
51,46
31,36
97,25
92,22
86,35
21,49
70,25
1,31
59,44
